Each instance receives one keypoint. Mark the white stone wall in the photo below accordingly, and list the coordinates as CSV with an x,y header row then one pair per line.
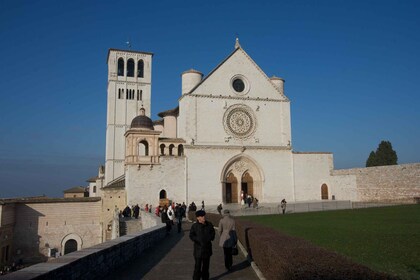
x,y
202,111
169,129
311,170
144,185
40,226
205,168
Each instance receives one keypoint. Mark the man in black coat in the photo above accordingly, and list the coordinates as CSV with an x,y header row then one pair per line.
x,y
202,233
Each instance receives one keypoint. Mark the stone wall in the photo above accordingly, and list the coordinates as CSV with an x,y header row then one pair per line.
x,y
94,262
45,224
386,183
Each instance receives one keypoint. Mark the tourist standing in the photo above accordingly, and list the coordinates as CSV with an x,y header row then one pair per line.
x,y
228,238
136,211
219,208
202,234
283,206
179,214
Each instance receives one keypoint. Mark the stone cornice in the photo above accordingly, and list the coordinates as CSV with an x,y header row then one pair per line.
x,y
238,147
231,97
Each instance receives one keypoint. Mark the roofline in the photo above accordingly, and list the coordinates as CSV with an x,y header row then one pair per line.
x,y
24,200
130,51
214,70
170,112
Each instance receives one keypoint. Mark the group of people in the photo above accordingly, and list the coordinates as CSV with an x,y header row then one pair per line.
x,y
128,212
202,233
247,199
169,214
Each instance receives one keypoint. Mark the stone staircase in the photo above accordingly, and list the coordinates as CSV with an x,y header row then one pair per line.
x,y
130,226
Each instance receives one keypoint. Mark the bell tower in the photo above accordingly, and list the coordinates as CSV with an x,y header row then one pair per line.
x,y
129,89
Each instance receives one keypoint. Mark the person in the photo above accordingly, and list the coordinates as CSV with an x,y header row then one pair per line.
x,y
136,211
283,206
170,212
242,198
179,214
228,238
202,205
202,234
127,212
249,200
146,209
166,220
219,208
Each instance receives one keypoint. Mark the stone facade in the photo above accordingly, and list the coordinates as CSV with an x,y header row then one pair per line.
x,y
230,133
385,183
41,226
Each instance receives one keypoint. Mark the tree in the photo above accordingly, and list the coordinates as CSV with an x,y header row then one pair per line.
x,y
384,155
371,161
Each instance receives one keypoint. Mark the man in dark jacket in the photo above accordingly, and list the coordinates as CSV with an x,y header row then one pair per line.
x,y
202,233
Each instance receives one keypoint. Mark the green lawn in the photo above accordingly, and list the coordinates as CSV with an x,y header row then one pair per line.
x,y
385,239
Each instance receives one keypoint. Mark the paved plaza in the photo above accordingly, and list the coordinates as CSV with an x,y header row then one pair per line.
x,y
173,259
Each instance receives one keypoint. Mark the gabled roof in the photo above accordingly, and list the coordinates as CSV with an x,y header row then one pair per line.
x,y
92,179
214,70
117,183
171,112
238,48
75,190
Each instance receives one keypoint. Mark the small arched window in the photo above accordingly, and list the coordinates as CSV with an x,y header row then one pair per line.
x,y
120,70
162,149
180,150
171,149
143,148
140,69
130,67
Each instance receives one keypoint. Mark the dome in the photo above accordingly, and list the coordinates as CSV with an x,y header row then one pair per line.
x,y
142,121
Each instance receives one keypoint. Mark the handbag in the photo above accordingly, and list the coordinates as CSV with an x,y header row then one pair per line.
x,y
235,251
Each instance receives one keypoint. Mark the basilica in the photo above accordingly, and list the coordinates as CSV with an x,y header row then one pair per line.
x,y
230,133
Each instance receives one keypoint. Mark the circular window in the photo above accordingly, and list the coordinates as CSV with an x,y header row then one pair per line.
x,y
238,85
239,121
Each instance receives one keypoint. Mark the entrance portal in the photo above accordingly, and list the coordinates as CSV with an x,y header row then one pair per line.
x,y
241,174
70,246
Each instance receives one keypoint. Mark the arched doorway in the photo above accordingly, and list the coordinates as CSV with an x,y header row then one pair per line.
x,y
70,246
247,184
241,173
231,188
324,191
163,200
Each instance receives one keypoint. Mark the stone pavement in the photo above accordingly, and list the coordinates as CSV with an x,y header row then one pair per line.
x,y
173,259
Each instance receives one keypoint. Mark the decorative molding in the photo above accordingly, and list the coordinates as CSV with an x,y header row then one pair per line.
x,y
232,97
239,148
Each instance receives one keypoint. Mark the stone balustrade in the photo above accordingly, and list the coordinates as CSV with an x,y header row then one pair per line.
x,y
99,260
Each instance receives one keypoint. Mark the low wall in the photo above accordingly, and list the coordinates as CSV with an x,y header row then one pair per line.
x,y
386,183
97,261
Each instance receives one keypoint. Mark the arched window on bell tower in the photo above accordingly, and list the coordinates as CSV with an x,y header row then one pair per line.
x,y
143,148
120,66
130,67
140,69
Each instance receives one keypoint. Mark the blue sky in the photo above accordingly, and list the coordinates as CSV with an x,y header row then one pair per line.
x,y
351,68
